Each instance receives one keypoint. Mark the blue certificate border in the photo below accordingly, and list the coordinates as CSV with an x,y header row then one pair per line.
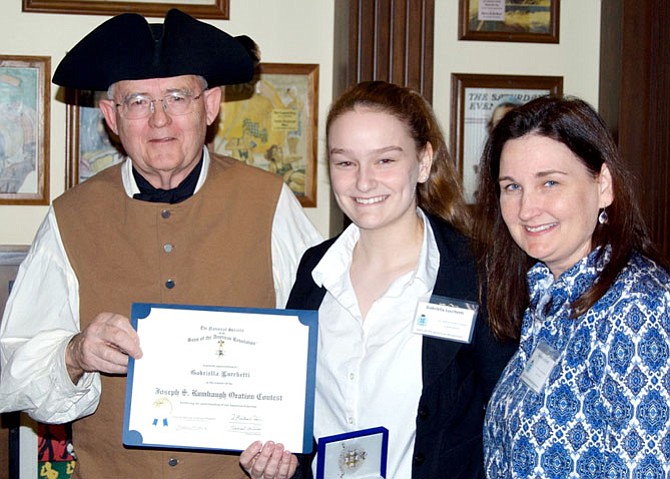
x,y
323,441
140,311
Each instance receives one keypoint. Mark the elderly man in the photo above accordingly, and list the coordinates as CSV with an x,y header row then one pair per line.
x,y
173,224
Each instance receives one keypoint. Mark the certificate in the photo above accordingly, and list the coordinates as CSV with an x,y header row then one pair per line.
x,y
221,378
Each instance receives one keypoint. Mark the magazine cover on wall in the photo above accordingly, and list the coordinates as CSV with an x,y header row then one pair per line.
x,y
478,103
270,123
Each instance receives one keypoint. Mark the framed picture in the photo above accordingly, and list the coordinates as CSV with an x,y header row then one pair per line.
x,y
24,129
197,8
271,123
11,257
509,20
478,102
91,146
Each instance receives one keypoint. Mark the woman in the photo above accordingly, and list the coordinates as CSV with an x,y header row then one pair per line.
x,y
392,176
572,271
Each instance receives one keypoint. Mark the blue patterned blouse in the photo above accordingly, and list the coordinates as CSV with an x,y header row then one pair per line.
x,y
604,409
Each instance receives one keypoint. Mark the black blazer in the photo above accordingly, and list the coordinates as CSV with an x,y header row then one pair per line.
x,y
457,378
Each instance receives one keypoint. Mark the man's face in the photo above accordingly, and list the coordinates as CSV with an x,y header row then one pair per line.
x,y
164,147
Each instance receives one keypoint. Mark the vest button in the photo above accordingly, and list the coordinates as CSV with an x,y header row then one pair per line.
x,y
167,247
169,284
419,459
165,214
172,462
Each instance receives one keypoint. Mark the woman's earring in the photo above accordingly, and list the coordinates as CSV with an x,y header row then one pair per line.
x,y
602,217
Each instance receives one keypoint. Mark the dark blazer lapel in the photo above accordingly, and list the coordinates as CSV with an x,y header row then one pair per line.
x,y
454,280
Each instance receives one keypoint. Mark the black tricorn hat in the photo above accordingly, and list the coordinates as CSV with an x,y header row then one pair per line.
x,y
127,47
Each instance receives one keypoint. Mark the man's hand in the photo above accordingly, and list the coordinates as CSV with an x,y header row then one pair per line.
x,y
269,461
104,346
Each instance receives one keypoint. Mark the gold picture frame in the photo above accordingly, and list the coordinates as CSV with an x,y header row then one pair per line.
x,y
477,103
509,20
24,129
218,9
271,123
91,146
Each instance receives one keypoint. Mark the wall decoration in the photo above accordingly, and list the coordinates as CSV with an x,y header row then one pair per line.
x,y
11,257
197,8
24,129
91,146
271,123
509,20
478,102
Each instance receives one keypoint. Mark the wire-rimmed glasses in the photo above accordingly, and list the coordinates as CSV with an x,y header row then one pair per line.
x,y
136,107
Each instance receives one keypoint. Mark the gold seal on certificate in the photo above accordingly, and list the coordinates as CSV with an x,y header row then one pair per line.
x,y
221,378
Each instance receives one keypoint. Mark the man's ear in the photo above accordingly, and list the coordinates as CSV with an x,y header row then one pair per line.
x,y
212,103
109,112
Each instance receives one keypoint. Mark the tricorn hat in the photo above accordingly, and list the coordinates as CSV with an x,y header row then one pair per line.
x,y
127,47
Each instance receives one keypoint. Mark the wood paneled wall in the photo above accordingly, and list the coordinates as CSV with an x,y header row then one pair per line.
x,y
389,40
635,100
393,40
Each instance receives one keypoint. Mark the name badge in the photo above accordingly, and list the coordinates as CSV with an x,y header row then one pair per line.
x,y
446,318
539,366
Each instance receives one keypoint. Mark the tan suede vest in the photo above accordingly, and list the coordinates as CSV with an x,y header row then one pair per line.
x,y
212,249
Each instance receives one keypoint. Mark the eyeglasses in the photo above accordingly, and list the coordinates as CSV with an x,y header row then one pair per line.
x,y
136,107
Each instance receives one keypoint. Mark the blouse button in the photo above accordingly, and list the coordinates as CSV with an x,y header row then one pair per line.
x,y
165,214
167,247
172,462
169,284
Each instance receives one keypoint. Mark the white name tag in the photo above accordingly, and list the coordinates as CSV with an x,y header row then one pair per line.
x,y
539,366
446,318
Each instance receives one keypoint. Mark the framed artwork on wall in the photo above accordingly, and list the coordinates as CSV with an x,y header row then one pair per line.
x,y
91,146
197,8
509,20
271,123
11,257
477,103
24,129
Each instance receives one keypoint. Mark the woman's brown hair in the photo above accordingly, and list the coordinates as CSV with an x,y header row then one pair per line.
x,y
576,124
442,194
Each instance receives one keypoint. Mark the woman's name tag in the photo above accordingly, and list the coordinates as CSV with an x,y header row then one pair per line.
x,y
446,318
539,366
